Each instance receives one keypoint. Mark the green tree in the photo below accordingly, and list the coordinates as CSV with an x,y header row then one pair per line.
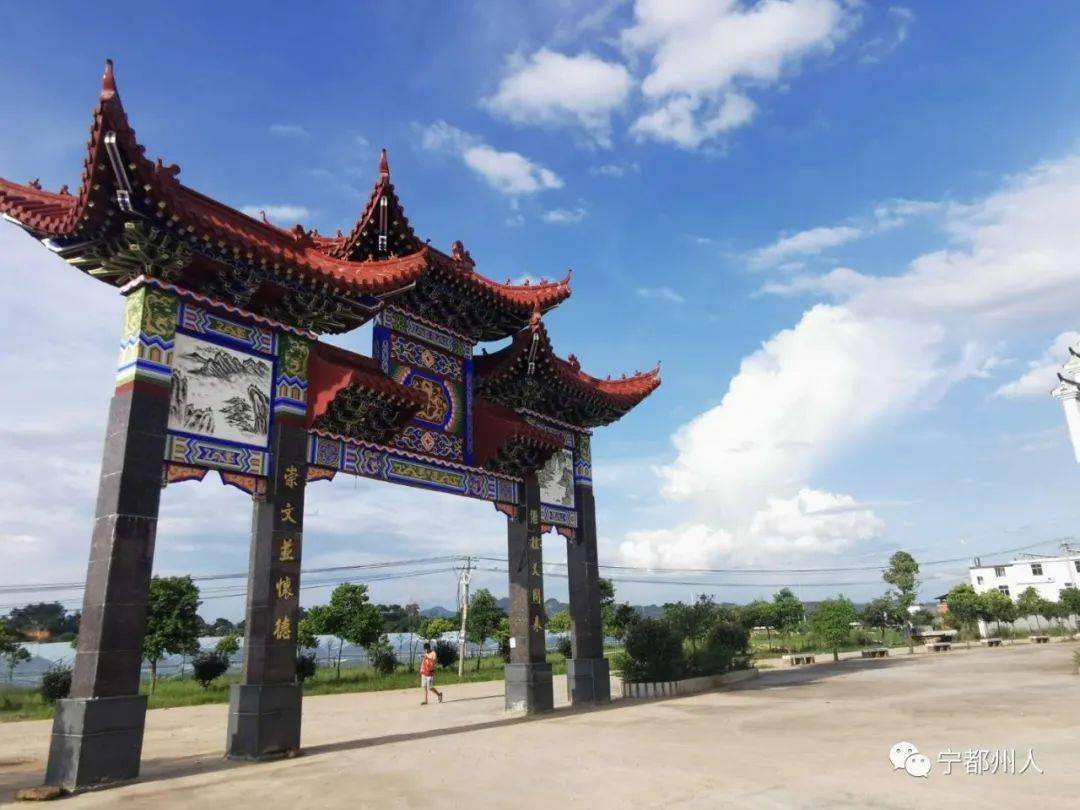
x,y
1070,602
49,617
997,607
350,617
172,621
965,607
831,623
222,627
483,620
882,613
306,637
434,626
760,613
1050,610
1029,603
228,645
622,616
11,649
787,610
902,573
559,622
381,656
607,603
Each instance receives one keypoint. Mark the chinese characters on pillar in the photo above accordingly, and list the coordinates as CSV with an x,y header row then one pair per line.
x,y
536,576
287,538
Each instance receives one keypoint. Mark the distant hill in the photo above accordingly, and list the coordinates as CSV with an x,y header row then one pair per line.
x,y
550,605
438,612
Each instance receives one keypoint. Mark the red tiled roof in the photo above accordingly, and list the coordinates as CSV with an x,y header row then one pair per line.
x,y
331,369
327,259
625,391
497,428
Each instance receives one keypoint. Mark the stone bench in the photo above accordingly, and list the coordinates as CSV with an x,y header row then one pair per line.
x,y
991,642
1039,639
878,652
939,646
795,659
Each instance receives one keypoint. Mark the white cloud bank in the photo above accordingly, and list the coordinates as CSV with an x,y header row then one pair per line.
x,y
703,55
1041,376
510,173
550,88
884,347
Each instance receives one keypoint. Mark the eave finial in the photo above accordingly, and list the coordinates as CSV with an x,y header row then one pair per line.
x,y
384,165
534,319
108,81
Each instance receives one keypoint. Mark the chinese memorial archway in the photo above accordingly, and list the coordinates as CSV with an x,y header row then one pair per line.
x,y
221,368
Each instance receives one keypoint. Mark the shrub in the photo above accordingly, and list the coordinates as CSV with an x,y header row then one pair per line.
x,y
305,666
446,653
725,648
56,683
564,647
208,667
381,656
653,652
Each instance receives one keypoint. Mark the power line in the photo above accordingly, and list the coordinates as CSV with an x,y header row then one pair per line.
x,y
70,586
832,570
459,558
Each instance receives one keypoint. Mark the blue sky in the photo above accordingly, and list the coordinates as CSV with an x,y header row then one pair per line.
x,y
844,228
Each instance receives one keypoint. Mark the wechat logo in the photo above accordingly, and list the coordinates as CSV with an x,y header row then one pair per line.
x,y
905,756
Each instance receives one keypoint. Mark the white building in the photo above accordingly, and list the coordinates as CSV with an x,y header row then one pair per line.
x,y
1047,575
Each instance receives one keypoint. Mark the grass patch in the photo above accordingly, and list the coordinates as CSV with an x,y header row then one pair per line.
x,y
27,704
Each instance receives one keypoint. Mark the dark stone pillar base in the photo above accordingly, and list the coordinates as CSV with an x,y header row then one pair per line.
x,y
529,688
264,720
588,681
95,741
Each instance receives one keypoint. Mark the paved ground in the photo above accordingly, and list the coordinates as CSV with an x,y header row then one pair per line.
x,y
811,737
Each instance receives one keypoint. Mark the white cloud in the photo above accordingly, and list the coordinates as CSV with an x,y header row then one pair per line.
x,y
1041,376
616,169
281,214
702,54
564,216
886,216
508,172
809,524
811,241
554,89
887,346
288,130
661,294
874,50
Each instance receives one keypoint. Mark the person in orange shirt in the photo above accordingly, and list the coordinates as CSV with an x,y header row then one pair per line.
x,y
427,673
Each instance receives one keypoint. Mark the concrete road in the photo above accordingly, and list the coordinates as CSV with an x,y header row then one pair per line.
x,y
811,737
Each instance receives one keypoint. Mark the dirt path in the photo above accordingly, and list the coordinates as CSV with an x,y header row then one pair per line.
x,y
810,737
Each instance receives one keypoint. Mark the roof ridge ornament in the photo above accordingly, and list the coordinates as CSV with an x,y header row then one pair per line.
x,y
108,81
384,165
459,253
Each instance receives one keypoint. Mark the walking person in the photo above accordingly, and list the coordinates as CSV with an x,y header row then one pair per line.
x,y
427,673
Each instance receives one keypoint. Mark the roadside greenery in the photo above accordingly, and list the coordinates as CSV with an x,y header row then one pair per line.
x,y
687,641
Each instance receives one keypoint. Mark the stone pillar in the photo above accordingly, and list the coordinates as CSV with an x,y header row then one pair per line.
x,y
97,731
528,675
588,677
264,708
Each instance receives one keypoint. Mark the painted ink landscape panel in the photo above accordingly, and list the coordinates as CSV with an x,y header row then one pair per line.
x,y
219,392
556,480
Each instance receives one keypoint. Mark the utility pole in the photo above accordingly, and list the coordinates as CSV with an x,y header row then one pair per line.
x,y
1070,563
464,575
